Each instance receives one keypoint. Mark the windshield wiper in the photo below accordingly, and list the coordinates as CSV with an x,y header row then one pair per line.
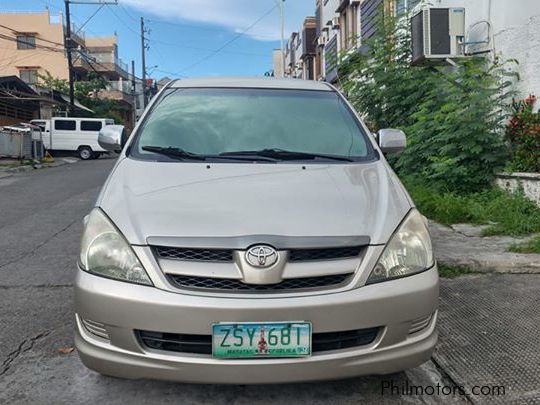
x,y
282,154
172,152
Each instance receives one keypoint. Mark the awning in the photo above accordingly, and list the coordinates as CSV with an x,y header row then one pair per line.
x,y
77,104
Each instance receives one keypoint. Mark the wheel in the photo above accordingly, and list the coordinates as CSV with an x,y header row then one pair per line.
x,y
85,152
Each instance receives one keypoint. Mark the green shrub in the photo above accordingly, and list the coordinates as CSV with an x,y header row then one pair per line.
x,y
523,132
454,116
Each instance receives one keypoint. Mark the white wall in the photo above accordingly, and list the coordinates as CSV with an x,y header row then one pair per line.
x,y
516,27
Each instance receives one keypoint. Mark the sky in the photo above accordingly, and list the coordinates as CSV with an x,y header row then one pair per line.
x,y
187,38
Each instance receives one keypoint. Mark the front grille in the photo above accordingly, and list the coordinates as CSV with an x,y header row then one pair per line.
x,y
303,255
202,344
207,283
226,255
200,255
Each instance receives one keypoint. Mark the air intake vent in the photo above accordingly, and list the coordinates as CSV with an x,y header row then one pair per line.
x,y
418,324
304,255
206,283
200,255
202,344
95,328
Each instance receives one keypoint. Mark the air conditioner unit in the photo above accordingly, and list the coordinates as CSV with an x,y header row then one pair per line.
x,y
321,41
356,1
335,23
438,34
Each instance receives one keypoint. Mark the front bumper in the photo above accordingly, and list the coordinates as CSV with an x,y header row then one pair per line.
x,y
123,308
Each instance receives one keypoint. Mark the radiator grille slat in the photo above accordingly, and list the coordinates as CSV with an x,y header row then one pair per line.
x,y
207,283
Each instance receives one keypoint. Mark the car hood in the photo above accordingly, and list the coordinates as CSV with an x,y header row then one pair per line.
x,y
174,199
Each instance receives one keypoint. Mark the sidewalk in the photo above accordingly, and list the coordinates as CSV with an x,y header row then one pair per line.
x,y
488,322
462,246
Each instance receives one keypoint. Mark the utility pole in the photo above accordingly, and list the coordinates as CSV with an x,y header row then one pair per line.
x,y
143,50
67,45
68,42
134,92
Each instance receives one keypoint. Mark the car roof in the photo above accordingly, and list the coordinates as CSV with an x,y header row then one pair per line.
x,y
252,82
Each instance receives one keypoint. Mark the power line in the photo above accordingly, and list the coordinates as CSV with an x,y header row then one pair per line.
x,y
89,18
38,39
240,34
32,44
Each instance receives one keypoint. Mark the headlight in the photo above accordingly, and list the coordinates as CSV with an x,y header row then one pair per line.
x,y
105,252
408,252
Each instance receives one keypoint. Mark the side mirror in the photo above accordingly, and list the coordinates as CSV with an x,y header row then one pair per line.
x,y
392,140
112,137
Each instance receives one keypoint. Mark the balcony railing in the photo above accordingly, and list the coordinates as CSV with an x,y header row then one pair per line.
x,y
123,86
109,58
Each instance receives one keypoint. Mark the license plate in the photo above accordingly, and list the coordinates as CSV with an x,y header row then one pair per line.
x,y
265,339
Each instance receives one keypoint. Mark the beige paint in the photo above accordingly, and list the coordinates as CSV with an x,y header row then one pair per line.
x,y
13,60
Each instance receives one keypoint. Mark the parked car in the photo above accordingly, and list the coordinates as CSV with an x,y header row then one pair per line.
x,y
78,135
253,232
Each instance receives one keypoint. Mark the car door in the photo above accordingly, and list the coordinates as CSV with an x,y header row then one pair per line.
x,y
90,132
64,134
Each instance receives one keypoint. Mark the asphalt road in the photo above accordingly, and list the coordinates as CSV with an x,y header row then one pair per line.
x,y
41,216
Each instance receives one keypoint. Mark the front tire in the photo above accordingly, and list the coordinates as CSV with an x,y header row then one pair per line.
x,y
85,153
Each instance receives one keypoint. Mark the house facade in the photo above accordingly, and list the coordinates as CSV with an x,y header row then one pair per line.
x,y
499,29
32,45
505,30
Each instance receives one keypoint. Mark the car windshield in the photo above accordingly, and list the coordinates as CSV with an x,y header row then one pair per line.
x,y
272,124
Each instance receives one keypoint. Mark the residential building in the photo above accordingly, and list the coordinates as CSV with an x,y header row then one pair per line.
x,y
307,49
344,26
327,39
32,44
277,63
300,53
290,57
506,30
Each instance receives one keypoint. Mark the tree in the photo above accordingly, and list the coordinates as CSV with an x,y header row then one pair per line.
x,y
87,92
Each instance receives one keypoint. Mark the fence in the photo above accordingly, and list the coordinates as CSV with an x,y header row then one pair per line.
x,y
20,144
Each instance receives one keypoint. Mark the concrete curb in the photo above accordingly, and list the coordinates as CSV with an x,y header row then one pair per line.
x,y
28,168
459,246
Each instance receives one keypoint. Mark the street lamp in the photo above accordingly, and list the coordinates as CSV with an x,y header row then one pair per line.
x,y
282,16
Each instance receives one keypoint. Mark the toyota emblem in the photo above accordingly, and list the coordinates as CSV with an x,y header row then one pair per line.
x,y
261,256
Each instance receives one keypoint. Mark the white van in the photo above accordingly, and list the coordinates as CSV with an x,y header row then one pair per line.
x,y
73,134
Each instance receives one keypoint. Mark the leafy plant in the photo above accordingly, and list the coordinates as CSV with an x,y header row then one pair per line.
x,y
454,116
531,246
446,271
523,132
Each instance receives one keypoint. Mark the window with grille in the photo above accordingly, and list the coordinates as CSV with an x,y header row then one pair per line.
x,y
26,42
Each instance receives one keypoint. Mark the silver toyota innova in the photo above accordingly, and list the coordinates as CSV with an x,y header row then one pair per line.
x,y
253,232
